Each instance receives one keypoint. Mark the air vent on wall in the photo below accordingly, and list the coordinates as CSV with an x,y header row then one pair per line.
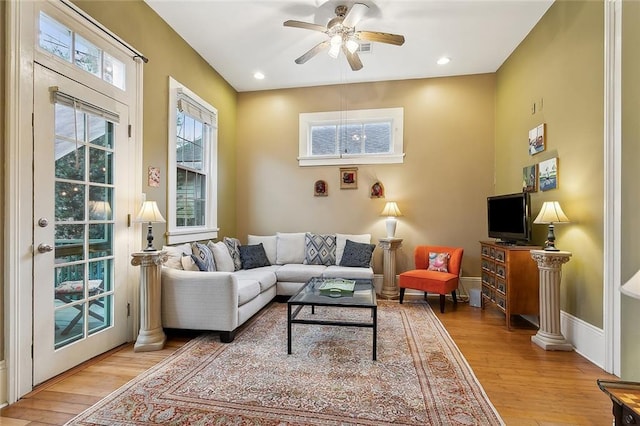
x,y
364,48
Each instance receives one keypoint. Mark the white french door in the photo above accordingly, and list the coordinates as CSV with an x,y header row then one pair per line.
x,y
81,193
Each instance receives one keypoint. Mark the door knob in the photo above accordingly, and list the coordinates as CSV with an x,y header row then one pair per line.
x,y
44,248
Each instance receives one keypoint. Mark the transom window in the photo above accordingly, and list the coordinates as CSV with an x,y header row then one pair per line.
x,y
64,43
353,137
192,205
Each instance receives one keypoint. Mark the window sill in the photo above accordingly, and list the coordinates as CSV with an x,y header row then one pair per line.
x,y
187,236
351,160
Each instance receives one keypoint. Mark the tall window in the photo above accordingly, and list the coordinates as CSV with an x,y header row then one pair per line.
x,y
352,137
192,160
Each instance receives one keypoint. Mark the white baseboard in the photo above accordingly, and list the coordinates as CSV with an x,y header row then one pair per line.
x,y
3,383
587,340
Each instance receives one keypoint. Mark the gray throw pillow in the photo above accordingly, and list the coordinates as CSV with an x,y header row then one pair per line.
x,y
319,249
357,254
253,256
233,244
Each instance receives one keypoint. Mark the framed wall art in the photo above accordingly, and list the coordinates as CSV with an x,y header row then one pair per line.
x,y
320,189
377,190
153,175
548,174
530,178
348,178
537,139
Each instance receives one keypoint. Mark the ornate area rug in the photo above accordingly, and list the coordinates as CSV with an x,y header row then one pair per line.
x,y
420,377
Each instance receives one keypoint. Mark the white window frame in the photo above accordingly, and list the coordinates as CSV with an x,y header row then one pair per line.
x,y
175,234
308,120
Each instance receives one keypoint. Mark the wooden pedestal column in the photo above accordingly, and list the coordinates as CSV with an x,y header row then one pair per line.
x,y
549,336
151,336
389,286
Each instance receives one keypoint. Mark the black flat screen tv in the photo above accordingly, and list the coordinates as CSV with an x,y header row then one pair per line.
x,y
509,218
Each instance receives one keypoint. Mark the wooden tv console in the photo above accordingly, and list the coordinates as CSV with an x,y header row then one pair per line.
x,y
509,279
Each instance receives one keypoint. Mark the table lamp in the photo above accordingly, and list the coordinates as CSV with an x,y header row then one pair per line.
x,y
149,213
392,211
551,213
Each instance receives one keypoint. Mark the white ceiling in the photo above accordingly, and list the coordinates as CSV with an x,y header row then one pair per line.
x,y
240,37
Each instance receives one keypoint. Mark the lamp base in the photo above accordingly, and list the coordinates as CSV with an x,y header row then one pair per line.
x,y
550,244
149,239
391,223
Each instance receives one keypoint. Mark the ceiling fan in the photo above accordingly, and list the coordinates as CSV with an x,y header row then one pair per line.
x,y
343,35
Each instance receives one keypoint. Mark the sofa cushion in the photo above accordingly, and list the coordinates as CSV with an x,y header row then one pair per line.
x,y
266,276
253,256
222,257
319,249
174,253
269,244
189,263
298,272
203,257
341,240
357,254
348,272
289,247
233,244
247,290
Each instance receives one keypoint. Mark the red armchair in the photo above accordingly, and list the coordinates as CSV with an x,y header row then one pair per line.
x,y
434,281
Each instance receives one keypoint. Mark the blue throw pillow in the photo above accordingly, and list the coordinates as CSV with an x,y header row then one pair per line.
x,y
253,256
357,254
203,257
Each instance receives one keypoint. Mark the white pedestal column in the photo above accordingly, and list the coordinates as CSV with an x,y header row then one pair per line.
x,y
389,286
151,336
549,336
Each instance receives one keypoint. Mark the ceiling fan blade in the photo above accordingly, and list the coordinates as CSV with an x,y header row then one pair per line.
x,y
312,52
304,25
355,14
354,60
396,39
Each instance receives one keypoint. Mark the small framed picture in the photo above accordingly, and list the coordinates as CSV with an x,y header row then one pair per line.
x,y
153,177
377,190
536,139
530,178
548,174
320,189
348,178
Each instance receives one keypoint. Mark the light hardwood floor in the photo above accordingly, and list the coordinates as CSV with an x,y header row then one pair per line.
x,y
527,385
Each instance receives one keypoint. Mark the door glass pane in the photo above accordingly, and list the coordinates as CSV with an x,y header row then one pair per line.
x,y
113,71
69,243
54,37
69,198
100,166
88,56
84,246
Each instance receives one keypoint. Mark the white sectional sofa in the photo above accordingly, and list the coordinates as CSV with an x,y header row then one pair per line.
x,y
222,292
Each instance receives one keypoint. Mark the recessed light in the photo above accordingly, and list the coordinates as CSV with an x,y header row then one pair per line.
x,y
443,61
258,75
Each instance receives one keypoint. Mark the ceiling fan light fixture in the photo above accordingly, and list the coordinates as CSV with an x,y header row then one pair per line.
x,y
334,51
352,45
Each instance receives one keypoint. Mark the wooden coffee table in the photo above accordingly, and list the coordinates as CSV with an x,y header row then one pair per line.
x,y
364,297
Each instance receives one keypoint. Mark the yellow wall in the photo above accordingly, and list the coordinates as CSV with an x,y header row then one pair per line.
x,y
630,338
441,188
170,55
561,63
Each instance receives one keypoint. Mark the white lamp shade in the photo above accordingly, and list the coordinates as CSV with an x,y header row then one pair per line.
x,y
99,210
551,212
391,210
149,212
